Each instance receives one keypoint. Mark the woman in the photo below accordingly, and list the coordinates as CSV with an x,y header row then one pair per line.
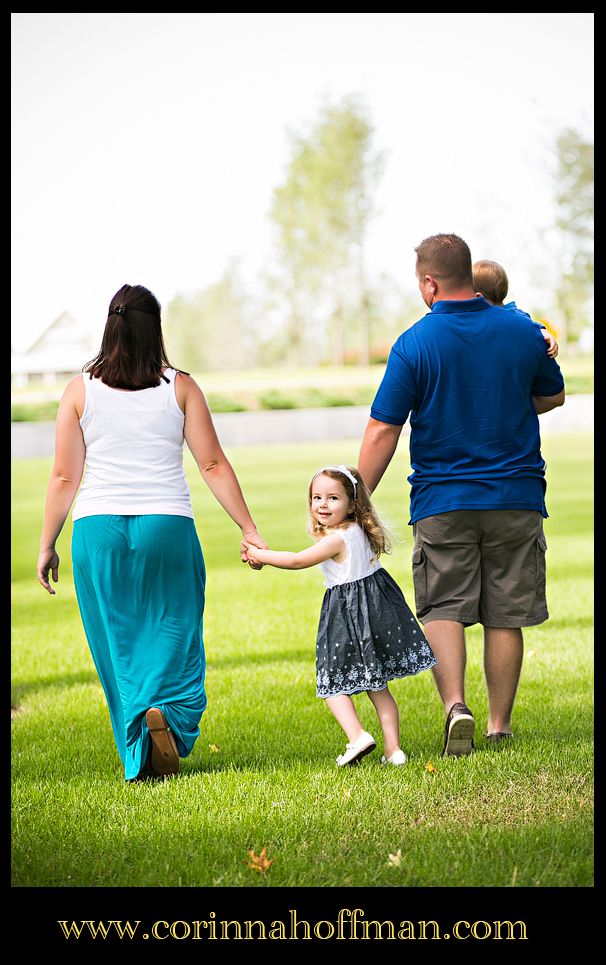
x,y
138,566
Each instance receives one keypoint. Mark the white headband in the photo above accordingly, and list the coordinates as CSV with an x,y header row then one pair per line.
x,y
342,469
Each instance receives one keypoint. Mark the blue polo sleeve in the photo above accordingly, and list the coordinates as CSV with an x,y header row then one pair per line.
x,y
548,379
397,393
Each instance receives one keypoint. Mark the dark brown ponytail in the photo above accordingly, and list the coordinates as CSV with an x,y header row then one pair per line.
x,y
132,353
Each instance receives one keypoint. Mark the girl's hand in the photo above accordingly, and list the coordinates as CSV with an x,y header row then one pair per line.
x,y
252,553
252,540
48,560
552,345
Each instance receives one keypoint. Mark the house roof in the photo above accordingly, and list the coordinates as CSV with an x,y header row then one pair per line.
x,y
65,346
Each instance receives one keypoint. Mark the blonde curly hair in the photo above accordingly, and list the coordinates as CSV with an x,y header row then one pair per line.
x,y
362,511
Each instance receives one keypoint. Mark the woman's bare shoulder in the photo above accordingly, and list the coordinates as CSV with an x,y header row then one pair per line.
x,y
187,390
75,387
185,379
75,394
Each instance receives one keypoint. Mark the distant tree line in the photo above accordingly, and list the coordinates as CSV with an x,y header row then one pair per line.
x,y
317,304
574,225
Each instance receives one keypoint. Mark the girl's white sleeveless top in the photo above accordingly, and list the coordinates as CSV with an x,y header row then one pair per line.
x,y
359,562
134,452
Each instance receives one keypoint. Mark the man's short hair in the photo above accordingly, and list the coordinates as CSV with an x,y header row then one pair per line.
x,y
448,258
490,279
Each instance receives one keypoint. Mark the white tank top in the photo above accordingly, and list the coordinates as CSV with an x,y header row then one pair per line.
x,y
358,563
134,451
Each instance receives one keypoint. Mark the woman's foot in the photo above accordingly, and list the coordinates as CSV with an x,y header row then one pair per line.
x,y
147,772
164,753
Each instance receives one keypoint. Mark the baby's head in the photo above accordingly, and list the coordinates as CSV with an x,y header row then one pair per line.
x,y
338,496
490,280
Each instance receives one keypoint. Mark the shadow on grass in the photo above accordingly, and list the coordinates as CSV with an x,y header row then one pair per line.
x,y
530,751
246,659
58,681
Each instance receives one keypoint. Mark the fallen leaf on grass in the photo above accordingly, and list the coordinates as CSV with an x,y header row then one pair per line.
x,y
259,862
429,767
395,860
214,748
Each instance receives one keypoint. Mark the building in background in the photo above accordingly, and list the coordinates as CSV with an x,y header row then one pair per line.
x,y
56,355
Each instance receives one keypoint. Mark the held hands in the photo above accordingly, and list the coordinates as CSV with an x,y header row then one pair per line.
x,y
552,346
247,547
253,552
48,560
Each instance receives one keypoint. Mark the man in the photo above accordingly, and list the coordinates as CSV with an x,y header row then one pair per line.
x,y
473,378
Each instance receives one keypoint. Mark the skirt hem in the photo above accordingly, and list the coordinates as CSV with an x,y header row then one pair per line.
x,y
374,689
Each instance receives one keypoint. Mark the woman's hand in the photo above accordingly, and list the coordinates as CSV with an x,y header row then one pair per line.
x,y
254,539
48,560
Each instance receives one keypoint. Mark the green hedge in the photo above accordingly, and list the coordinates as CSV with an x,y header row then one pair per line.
x,y
303,398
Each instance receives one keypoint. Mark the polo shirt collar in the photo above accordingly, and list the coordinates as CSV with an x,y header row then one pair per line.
x,y
453,307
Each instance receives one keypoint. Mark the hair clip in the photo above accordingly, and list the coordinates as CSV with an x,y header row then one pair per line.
x,y
119,310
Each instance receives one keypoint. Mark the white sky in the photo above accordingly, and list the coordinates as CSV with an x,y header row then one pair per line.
x,y
145,147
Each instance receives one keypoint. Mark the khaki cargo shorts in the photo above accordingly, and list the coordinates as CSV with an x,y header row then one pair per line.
x,y
481,566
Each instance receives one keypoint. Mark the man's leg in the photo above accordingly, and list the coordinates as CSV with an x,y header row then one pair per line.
x,y
446,576
503,650
513,596
447,640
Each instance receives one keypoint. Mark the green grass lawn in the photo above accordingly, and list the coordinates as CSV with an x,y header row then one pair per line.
x,y
262,773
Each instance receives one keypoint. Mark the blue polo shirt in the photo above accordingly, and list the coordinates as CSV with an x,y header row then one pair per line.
x,y
466,374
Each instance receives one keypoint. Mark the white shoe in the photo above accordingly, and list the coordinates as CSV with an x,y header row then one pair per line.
x,y
398,758
356,751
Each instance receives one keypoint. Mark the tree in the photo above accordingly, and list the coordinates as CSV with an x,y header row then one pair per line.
x,y
389,310
321,213
210,329
574,199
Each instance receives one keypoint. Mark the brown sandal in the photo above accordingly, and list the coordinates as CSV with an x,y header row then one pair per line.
x,y
164,754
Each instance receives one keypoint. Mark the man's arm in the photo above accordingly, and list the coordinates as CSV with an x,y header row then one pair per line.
x,y
378,446
545,403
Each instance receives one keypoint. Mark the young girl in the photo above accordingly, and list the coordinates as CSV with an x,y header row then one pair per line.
x,y
367,634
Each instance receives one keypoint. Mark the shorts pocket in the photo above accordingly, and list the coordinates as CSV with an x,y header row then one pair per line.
x,y
419,578
541,549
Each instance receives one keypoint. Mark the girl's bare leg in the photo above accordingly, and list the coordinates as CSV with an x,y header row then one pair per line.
x,y
389,718
345,713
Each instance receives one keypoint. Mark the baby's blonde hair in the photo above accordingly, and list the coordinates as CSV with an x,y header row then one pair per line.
x,y
362,512
490,279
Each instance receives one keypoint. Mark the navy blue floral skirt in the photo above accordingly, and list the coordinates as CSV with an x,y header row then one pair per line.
x,y
366,637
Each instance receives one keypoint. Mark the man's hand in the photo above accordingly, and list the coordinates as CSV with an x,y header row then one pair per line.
x,y
255,539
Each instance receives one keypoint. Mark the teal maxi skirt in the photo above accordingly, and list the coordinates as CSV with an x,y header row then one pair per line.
x,y
140,584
